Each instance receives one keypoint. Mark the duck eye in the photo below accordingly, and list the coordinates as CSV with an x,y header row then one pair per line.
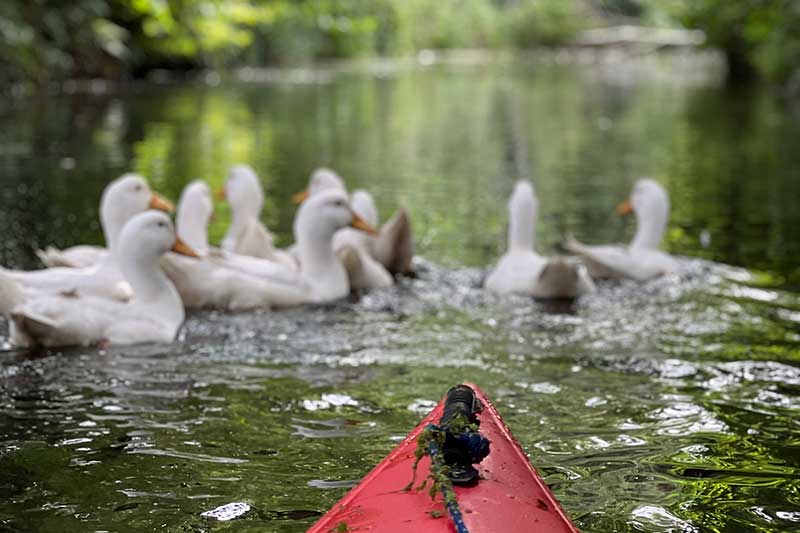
x,y
162,224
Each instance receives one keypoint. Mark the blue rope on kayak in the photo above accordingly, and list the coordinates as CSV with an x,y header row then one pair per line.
x,y
469,441
448,494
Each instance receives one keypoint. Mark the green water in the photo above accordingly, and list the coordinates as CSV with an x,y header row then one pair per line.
x,y
667,406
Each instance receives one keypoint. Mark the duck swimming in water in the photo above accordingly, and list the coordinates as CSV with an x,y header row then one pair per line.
x,y
234,282
154,314
521,269
124,197
641,259
393,247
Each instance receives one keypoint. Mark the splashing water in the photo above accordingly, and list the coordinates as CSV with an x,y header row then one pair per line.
x,y
665,406
634,406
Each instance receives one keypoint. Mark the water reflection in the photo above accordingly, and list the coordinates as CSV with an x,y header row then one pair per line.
x,y
428,139
630,437
665,406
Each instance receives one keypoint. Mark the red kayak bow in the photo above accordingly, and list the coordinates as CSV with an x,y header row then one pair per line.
x,y
509,497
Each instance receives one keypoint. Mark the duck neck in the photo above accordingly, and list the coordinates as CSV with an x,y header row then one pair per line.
x,y
316,256
195,236
192,231
318,261
151,286
109,269
521,227
242,216
650,227
112,227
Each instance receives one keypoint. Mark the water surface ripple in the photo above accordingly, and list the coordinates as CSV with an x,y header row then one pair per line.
x,y
665,406
636,405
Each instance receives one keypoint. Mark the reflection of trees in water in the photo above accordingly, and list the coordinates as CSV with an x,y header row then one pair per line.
x,y
56,158
446,142
740,179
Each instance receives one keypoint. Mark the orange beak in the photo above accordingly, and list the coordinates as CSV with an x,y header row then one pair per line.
x,y
162,204
361,224
625,208
300,197
182,248
220,195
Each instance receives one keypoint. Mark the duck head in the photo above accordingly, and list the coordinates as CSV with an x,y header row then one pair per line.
x,y
123,198
322,215
364,206
244,193
144,239
322,179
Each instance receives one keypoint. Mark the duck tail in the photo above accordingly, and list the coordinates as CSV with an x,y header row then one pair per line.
x,y
52,257
394,246
559,279
573,245
11,294
349,257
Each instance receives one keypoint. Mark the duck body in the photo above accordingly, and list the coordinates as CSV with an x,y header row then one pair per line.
x,y
205,283
521,270
153,315
234,282
101,281
526,272
254,240
253,266
391,248
221,279
80,256
57,320
516,272
621,261
641,259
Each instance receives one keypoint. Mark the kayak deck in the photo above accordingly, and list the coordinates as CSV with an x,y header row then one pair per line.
x,y
509,498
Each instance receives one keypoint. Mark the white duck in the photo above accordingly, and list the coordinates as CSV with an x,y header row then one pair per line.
x,y
641,260
236,283
322,179
154,315
354,247
317,222
195,208
246,234
393,247
522,270
122,198
221,279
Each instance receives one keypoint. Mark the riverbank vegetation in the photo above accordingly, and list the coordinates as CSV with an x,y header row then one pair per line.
x,y
43,41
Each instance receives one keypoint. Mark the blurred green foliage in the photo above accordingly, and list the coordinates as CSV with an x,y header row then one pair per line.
x,y
42,40
545,23
758,36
